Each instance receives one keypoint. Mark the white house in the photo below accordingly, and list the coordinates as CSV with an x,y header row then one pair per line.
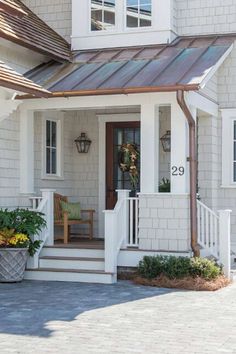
x,y
140,73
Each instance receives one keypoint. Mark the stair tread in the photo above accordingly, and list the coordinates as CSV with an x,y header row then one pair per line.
x,y
58,270
62,258
76,247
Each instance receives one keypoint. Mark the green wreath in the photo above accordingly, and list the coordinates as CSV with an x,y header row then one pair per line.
x,y
128,159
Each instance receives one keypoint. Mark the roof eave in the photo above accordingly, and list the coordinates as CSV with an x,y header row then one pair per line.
x,y
31,46
33,92
120,91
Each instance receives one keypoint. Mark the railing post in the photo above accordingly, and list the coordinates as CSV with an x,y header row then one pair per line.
x,y
224,240
48,194
110,241
123,195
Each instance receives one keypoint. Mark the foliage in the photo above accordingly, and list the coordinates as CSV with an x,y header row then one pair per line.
x,y
164,185
22,221
205,268
8,238
178,267
128,159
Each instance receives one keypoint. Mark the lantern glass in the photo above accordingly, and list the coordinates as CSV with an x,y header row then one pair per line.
x,y
166,141
83,143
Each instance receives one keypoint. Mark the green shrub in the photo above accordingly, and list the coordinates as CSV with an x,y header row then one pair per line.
x,y
151,266
178,267
205,268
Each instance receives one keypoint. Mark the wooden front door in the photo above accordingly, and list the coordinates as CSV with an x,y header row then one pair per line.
x,y
119,133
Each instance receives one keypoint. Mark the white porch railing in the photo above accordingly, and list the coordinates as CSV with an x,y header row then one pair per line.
x,y
214,234
121,228
133,215
43,205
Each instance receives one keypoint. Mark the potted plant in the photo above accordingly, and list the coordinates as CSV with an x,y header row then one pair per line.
x,y
164,185
17,229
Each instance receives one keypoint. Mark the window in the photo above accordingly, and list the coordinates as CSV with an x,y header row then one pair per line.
x,y
102,15
52,154
228,148
234,150
138,13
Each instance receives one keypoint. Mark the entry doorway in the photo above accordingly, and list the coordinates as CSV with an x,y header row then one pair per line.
x,y
118,134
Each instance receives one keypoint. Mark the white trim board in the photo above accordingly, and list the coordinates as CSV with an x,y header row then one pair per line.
x,y
102,120
228,117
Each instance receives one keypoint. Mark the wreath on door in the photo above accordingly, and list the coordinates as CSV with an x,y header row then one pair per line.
x,y
128,161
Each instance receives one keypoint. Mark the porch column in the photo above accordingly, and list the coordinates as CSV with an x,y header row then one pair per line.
x,y
26,152
179,151
149,148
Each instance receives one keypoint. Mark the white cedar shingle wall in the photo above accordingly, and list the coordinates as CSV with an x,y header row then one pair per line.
x,y
56,13
205,16
9,164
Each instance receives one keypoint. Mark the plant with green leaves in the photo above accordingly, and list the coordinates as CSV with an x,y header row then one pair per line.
x,y
151,267
21,222
164,185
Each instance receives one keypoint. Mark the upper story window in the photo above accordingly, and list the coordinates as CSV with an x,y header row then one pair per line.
x,y
103,15
138,13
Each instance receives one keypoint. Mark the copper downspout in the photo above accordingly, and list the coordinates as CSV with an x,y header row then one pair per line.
x,y
193,171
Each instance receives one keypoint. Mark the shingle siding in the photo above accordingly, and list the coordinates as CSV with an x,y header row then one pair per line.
x,y
56,13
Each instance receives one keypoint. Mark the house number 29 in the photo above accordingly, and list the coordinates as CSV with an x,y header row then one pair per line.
x,y
177,171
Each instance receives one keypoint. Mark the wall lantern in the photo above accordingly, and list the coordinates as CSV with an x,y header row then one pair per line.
x,y
166,141
83,143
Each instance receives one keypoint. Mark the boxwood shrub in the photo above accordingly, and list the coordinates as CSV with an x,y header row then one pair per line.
x,y
178,267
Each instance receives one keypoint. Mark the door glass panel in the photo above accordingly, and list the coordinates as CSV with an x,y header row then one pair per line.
x,y
122,179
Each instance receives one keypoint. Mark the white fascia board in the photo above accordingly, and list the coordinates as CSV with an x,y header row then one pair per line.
x,y
203,103
99,101
214,69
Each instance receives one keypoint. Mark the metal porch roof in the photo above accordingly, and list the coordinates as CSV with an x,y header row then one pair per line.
x,y
183,64
15,81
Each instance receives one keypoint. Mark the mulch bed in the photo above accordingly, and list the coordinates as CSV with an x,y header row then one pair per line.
x,y
188,283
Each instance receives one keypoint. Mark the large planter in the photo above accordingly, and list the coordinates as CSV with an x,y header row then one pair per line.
x,y
12,264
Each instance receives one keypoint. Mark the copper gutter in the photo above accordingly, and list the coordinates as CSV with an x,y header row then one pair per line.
x,y
118,91
193,171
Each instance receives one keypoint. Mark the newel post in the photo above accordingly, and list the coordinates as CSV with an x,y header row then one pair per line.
x,y
48,194
110,241
123,195
224,240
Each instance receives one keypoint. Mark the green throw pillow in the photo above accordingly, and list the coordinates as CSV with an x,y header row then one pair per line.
x,y
73,210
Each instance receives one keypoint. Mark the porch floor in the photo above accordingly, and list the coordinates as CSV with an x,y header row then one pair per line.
x,y
80,242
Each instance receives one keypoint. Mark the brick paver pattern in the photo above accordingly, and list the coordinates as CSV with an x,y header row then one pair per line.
x,y
68,318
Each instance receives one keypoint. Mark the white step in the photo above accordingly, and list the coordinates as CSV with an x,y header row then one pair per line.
x,y
73,275
72,252
72,263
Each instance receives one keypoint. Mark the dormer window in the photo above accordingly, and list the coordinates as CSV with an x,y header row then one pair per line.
x,y
138,13
103,15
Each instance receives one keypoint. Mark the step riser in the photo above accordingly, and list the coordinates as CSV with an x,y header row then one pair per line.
x,y
71,264
70,277
72,252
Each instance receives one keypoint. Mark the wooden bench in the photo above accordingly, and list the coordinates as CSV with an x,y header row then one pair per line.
x,y
61,218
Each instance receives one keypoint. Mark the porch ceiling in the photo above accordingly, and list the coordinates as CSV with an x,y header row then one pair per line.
x,y
184,64
15,81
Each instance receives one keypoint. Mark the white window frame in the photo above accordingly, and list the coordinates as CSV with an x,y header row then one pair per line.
x,y
228,119
114,29
58,118
139,28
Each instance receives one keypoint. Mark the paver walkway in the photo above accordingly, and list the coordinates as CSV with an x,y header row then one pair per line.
x,y
44,317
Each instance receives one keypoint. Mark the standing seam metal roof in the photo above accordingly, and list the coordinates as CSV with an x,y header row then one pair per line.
x,y
182,64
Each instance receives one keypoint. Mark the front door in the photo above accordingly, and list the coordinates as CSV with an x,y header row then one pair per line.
x,y
118,134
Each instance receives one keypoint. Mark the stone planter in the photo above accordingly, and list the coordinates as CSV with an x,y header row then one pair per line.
x,y
12,264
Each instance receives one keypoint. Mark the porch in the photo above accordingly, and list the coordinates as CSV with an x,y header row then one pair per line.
x,y
150,222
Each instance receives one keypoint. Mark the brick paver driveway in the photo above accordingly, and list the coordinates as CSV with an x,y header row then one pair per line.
x,y
44,317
